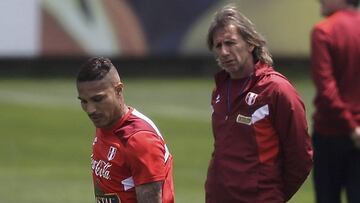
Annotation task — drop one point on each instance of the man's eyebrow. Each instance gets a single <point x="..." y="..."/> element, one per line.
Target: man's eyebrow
<point x="97" y="96"/>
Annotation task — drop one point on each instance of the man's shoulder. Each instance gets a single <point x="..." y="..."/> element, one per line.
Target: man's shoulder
<point x="270" y="76"/>
<point x="136" y="122"/>
<point x="325" y="25"/>
<point x="337" y="19"/>
<point x="275" y="82"/>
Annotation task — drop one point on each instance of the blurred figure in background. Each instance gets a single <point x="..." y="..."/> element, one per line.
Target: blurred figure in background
<point x="130" y="161"/>
<point x="335" y="61"/>
<point x="262" y="150"/>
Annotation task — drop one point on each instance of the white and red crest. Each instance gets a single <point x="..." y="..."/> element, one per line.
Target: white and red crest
<point x="111" y="153"/>
<point x="250" y="98"/>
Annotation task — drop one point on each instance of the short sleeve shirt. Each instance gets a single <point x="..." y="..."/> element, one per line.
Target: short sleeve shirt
<point x="132" y="153"/>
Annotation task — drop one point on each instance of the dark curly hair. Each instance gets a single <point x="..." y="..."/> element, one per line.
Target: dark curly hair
<point x="95" y="68"/>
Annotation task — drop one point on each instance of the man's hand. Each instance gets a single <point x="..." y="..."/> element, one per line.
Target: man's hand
<point x="149" y="192"/>
<point x="355" y="136"/>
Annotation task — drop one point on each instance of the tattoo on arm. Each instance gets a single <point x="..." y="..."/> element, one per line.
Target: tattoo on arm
<point x="149" y="192"/>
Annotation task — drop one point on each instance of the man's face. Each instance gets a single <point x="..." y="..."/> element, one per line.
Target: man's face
<point x="102" y="101"/>
<point x="231" y="51"/>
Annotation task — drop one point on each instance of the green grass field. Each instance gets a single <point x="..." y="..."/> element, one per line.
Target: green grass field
<point x="46" y="138"/>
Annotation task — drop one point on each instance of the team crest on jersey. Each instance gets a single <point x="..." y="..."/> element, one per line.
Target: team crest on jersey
<point x="250" y="98"/>
<point x="111" y="153"/>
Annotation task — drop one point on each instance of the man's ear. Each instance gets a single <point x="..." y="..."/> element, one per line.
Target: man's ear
<point x="119" y="87"/>
<point x="251" y="47"/>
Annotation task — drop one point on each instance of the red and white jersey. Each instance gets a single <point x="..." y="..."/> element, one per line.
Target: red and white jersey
<point x="132" y="153"/>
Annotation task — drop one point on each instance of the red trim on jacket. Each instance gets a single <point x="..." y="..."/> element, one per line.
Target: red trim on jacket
<point x="267" y="141"/>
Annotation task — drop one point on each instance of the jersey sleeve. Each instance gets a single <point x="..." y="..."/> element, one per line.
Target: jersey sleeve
<point x="295" y="143"/>
<point x="145" y="154"/>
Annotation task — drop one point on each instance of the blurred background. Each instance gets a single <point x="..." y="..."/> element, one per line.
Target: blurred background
<point x="160" y="50"/>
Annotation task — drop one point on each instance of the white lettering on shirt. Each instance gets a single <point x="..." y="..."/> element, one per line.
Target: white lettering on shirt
<point x="101" y="168"/>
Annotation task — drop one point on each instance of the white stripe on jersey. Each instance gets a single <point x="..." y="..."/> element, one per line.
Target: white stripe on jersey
<point x="152" y="124"/>
<point x="128" y="183"/>
<point x="260" y="113"/>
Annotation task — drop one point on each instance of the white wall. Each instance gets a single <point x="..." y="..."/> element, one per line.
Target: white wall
<point x="19" y="28"/>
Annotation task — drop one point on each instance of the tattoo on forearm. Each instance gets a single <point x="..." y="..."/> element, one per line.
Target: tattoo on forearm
<point x="149" y="193"/>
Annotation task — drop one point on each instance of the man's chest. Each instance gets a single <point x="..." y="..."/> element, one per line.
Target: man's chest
<point x="240" y="106"/>
<point x="108" y="161"/>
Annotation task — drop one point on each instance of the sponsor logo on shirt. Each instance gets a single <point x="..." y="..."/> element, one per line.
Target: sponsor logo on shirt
<point x="250" y="98"/>
<point x="243" y="119"/>
<point x="101" y="168"/>
<point x="108" y="198"/>
<point x="111" y="153"/>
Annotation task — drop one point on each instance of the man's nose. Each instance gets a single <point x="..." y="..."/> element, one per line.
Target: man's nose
<point x="224" y="51"/>
<point x="90" y="108"/>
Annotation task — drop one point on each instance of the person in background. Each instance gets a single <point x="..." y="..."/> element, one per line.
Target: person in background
<point x="262" y="150"/>
<point x="335" y="63"/>
<point x="130" y="161"/>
